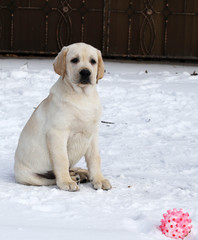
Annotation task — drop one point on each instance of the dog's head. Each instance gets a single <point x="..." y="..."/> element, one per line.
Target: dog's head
<point x="81" y="63"/>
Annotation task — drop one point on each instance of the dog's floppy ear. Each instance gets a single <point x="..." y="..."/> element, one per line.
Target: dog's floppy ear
<point x="60" y="62"/>
<point x="100" y="72"/>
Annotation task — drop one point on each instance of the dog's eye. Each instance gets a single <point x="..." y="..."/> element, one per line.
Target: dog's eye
<point x="93" y="61"/>
<point x="75" y="60"/>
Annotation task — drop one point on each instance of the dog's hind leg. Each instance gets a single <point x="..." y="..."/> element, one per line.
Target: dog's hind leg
<point x="27" y="177"/>
<point x="82" y="174"/>
<point x="78" y="175"/>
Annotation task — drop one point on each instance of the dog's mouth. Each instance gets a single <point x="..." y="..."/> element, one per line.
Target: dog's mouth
<point x="85" y="81"/>
<point x="85" y="77"/>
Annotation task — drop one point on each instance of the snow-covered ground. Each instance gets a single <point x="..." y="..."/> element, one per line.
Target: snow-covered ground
<point x="150" y="154"/>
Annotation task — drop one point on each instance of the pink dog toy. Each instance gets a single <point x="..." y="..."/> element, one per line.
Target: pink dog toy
<point x="176" y="224"/>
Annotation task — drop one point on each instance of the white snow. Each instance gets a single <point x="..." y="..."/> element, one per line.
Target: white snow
<point x="150" y="154"/>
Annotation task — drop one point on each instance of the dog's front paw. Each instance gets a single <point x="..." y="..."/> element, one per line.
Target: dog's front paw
<point x="68" y="186"/>
<point x="102" y="184"/>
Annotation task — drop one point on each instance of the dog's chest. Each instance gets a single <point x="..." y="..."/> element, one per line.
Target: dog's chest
<point x="82" y="129"/>
<point x="78" y="142"/>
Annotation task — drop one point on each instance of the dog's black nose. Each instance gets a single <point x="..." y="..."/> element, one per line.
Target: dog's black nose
<point x="85" y="76"/>
<point x="85" y="73"/>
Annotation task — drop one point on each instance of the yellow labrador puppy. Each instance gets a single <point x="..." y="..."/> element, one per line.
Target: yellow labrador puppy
<point x="64" y="127"/>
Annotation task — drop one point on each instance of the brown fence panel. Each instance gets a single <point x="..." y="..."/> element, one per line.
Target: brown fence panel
<point x="44" y="26"/>
<point x="153" y="28"/>
<point x="120" y="28"/>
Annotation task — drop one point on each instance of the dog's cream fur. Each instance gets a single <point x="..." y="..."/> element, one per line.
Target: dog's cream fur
<point x="64" y="127"/>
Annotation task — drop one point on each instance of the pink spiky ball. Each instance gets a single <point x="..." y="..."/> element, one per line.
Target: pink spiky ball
<point x="176" y="224"/>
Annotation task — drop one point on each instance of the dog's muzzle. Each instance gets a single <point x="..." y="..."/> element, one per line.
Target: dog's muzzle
<point x="85" y="76"/>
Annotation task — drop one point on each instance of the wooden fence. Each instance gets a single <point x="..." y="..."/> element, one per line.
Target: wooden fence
<point x="120" y="28"/>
